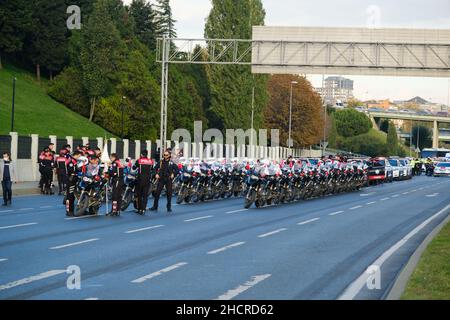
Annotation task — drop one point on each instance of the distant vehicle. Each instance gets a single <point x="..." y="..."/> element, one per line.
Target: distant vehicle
<point x="406" y="168"/>
<point x="380" y="170"/>
<point x="442" y="114"/>
<point x="434" y="153"/>
<point x="442" y="169"/>
<point x="396" y="168"/>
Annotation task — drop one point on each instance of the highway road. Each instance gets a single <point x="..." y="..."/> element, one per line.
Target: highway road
<point x="317" y="249"/>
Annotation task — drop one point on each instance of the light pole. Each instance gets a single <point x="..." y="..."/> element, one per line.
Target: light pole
<point x="13" y="104"/>
<point x="122" y="106"/>
<point x="290" y="116"/>
<point x="410" y="139"/>
<point x="253" y="115"/>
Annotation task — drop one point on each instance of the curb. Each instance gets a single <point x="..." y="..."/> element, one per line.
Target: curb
<point x="400" y="283"/>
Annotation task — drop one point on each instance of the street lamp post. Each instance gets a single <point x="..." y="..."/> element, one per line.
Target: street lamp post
<point x="290" y="116"/>
<point x="13" y="104"/>
<point x="253" y="114"/>
<point x="123" y="111"/>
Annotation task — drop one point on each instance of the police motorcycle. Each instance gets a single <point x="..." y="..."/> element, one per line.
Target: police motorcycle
<point x="130" y="178"/>
<point x="187" y="180"/>
<point x="91" y="191"/>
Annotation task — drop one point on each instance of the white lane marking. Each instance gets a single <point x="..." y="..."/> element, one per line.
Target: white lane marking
<point x="352" y="291"/>
<point x="308" y="221"/>
<point x="91" y="299"/>
<point x="3" y="259"/>
<point x="82" y="217"/>
<point x="432" y="195"/>
<point x="159" y="273"/>
<point x="26" y="209"/>
<point x="18" y="225"/>
<point x="236" y="211"/>
<point x="369" y="203"/>
<point x="367" y="194"/>
<point x="242" y="288"/>
<point x="46" y="207"/>
<point x="396" y="195"/>
<point x="40" y="276"/>
<point x="336" y="213"/>
<point x="73" y="244"/>
<point x="1" y="211"/>
<point x="406" y="192"/>
<point x="196" y="219"/>
<point x="354" y="208"/>
<point x="237" y="244"/>
<point x="268" y="234"/>
<point x="384" y="199"/>
<point x="144" y="229"/>
<point x="415" y="190"/>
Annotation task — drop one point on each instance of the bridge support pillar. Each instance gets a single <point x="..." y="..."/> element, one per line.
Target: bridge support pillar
<point x="435" y="135"/>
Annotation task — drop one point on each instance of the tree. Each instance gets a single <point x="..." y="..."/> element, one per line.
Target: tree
<point x="46" y="43"/>
<point x="392" y="140"/>
<point x="144" y="18"/>
<point x="353" y="103"/>
<point x="101" y="50"/>
<point x="351" y="123"/>
<point x="423" y="135"/>
<point x="333" y="134"/>
<point x="307" y="121"/>
<point x="384" y="125"/>
<point x="164" y="19"/>
<point x="231" y="86"/>
<point x="15" y="21"/>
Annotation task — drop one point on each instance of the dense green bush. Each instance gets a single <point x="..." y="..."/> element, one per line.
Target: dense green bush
<point x="351" y="123"/>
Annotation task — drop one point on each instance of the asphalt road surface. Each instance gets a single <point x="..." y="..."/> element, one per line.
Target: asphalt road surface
<point x="317" y="249"/>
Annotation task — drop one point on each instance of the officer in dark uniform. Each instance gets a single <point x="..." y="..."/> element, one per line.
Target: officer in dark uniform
<point x="72" y="178"/>
<point x="116" y="176"/>
<point x="166" y="171"/>
<point x="144" y="167"/>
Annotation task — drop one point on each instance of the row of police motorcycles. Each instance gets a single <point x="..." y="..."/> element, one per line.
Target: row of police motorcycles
<point x="267" y="183"/>
<point x="260" y="183"/>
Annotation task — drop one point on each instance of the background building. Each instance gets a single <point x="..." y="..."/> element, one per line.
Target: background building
<point x="336" y="88"/>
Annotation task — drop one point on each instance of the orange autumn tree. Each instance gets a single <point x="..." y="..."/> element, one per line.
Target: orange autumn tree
<point x="307" y="110"/>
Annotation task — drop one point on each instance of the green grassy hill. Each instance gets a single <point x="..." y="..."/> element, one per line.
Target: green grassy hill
<point x="36" y="112"/>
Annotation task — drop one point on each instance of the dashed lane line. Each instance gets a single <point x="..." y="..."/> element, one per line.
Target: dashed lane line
<point x="197" y="219"/>
<point x="268" y="234"/>
<point x="357" y="207"/>
<point x="38" y="277"/>
<point x="73" y="244"/>
<point x="242" y="288"/>
<point x="308" y="221"/>
<point x="335" y="213"/>
<point x="144" y="229"/>
<point x="18" y="225"/>
<point x="159" y="273"/>
<point x="234" y="245"/>
<point x="236" y="211"/>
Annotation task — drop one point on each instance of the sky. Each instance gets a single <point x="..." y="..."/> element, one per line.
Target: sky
<point x="191" y="15"/>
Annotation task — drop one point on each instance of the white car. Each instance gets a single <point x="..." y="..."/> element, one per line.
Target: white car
<point x="396" y="169"/>
<point x="442" y="169"/>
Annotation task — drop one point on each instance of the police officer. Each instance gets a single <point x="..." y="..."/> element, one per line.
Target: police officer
<point x="143" y="167"/>
<point x="61" y="170"/>
<point x="116" y="173"/>
<point x="72" y="178"/>
<point x="166" y="171"/>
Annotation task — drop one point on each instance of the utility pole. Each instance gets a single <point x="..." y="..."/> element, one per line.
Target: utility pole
<point x="122" y="106"/>
<point x="13" y="104"/>
<point x="253" y="114"/>
<point x="290" y="116"/>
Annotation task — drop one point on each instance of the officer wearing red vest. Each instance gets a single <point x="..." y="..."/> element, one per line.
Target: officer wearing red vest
<point x="144" y="167"/>
<point x="116" y="173"/>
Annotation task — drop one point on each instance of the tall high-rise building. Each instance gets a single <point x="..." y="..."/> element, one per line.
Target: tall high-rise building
<point x="336" y="88"/>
